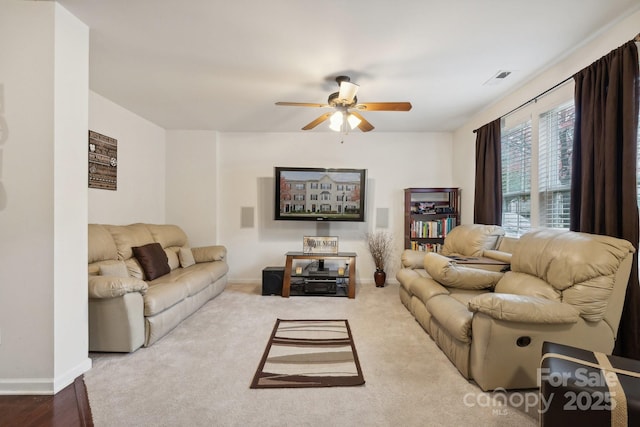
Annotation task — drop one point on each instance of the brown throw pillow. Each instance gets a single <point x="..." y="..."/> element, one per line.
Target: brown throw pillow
<point x="152" y="259"/>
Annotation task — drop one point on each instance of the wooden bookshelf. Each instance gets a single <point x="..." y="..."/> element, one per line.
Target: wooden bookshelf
<point x="429" y="214"/>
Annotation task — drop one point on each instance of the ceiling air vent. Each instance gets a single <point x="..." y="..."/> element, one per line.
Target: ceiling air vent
<point x="498" y="78"/>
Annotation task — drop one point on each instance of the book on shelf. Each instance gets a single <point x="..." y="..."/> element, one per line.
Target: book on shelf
<point x="426" y="247"/>
<point x="432" y="229"/>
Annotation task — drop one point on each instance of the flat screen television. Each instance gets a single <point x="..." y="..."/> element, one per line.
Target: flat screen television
<point x="320" y="194"/>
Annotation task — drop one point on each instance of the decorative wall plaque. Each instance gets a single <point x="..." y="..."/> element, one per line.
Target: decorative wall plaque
<point x="103" y="161"/>
<point x="319" y="245"/>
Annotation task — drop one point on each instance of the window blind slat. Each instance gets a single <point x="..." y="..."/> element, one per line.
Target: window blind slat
<point x="516" y="178"/>
<point x="555" y="141"/>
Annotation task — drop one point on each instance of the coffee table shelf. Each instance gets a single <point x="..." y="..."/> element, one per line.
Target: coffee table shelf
<point x="345" y="283"/>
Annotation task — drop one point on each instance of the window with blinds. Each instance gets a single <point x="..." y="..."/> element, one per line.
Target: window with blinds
<point x="516" y="178"/>
<point x="537" y="144"/>
<point x="536" y="159"/>
<point x="555" y="142"/>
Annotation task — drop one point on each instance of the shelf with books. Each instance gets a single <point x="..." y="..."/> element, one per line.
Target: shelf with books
<point x="431" y="228"/>
<point x="430" y="213"/>
<point x="424" y="245"/>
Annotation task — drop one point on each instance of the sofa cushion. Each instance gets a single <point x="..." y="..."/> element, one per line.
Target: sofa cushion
<point x="471" y="239"/>
<point x="168" y="235"/>
<point x="590" y="297"/>
<point x="101" y="244"/>
<point x="406" y="275"/>
<point x="186" y="257"/>
<point x="153" y="260"/>
<point x="215" y="270"/>
<point x="448" y="273"/>
<point x="172" y="256"/>
<point x="135" y="270"/>
<point x="128" y="236"/>
<point x="209" y="253"/>
<point x="463" y="296"/>
<point x="193" y="279"/>
<point x="163" y="295"/>
<point x="116" y="269"/>
<point x="582" y="266"/>
<point x="525" y="284"/>
<point x="452" y="316"/>
<point x="425" y="288"/>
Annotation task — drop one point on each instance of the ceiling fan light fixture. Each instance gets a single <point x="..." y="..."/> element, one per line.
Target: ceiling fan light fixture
<point x="348" y="91"/>
<point x="341" y="120"/>
<point x="336" y="120"/>
<point x="338" y="123"/>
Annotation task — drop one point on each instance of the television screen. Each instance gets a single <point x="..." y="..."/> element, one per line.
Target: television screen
<point x="319" y="194"/>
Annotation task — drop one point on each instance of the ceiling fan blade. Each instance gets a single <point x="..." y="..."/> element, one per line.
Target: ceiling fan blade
<point x="302" y="104"/>
<point x="317" y="121"/>
<point x="364" y="125"/>
<point x="348" y="91"/>
<point x="384" y="106"/>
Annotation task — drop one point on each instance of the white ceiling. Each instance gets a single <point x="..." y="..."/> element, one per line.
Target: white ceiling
<point x="221" y="65"/>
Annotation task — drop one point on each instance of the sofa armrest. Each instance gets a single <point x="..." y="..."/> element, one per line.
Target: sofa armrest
<point x="112" y="286"/>
<point x="497" y="255"/>
<point x="412" y="259"/>
<point x="519" y="308"/>
<point x="209" y="253"/>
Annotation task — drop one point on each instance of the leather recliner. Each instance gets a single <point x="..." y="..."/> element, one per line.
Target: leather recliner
<point x="563" y="286"/>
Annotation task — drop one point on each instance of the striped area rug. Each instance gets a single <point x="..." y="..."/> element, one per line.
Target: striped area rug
<point x="309" y="353"/>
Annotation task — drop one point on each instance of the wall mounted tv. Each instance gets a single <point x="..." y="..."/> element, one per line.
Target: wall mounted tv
<point x="320" y="194"/>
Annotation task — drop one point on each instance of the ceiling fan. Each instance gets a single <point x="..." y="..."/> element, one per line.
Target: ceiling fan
<point x="347" y="109"/>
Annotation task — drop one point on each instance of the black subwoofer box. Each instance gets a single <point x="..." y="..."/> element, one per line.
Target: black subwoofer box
<point x="272" y="278"/>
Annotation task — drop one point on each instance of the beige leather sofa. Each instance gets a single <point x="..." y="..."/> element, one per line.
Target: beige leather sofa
<point x="128" y="310"/>
<point x="563" y="286"/>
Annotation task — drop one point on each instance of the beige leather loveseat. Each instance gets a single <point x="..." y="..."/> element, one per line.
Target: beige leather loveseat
<point x="144" y="279"/>
<point x="563" y="286"/>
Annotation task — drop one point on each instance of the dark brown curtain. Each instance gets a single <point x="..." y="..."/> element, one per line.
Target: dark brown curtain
<point x="603" y="184"/>
<point x="487" y="207"/>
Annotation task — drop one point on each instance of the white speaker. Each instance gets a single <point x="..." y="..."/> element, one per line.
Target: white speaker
<point x="382" y="217"/>
<point x="246" y="217"/>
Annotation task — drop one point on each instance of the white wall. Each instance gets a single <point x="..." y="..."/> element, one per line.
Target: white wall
<point x="141" y="192"/>
<point x="464" y="138"/>
<point x="246" y="164"/>
<point x="191" y="176"/>
<point x="43" y="102"/>
<point x="71" y="104"/>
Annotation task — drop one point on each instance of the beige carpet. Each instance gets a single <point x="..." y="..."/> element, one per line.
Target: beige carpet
<point x="199" y="374"/>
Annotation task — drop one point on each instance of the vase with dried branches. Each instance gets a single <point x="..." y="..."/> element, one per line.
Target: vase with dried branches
<point x="380" y="246"/>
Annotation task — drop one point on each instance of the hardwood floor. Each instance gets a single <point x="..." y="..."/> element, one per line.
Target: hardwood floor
<point x="68" y="408"/>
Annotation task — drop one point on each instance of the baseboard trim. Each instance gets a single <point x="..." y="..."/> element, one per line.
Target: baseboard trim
<point x="69" y="377"/>
<point x="245" y="282"/>
<point x="43" y="386"/>
<point x="22" y="386"/>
